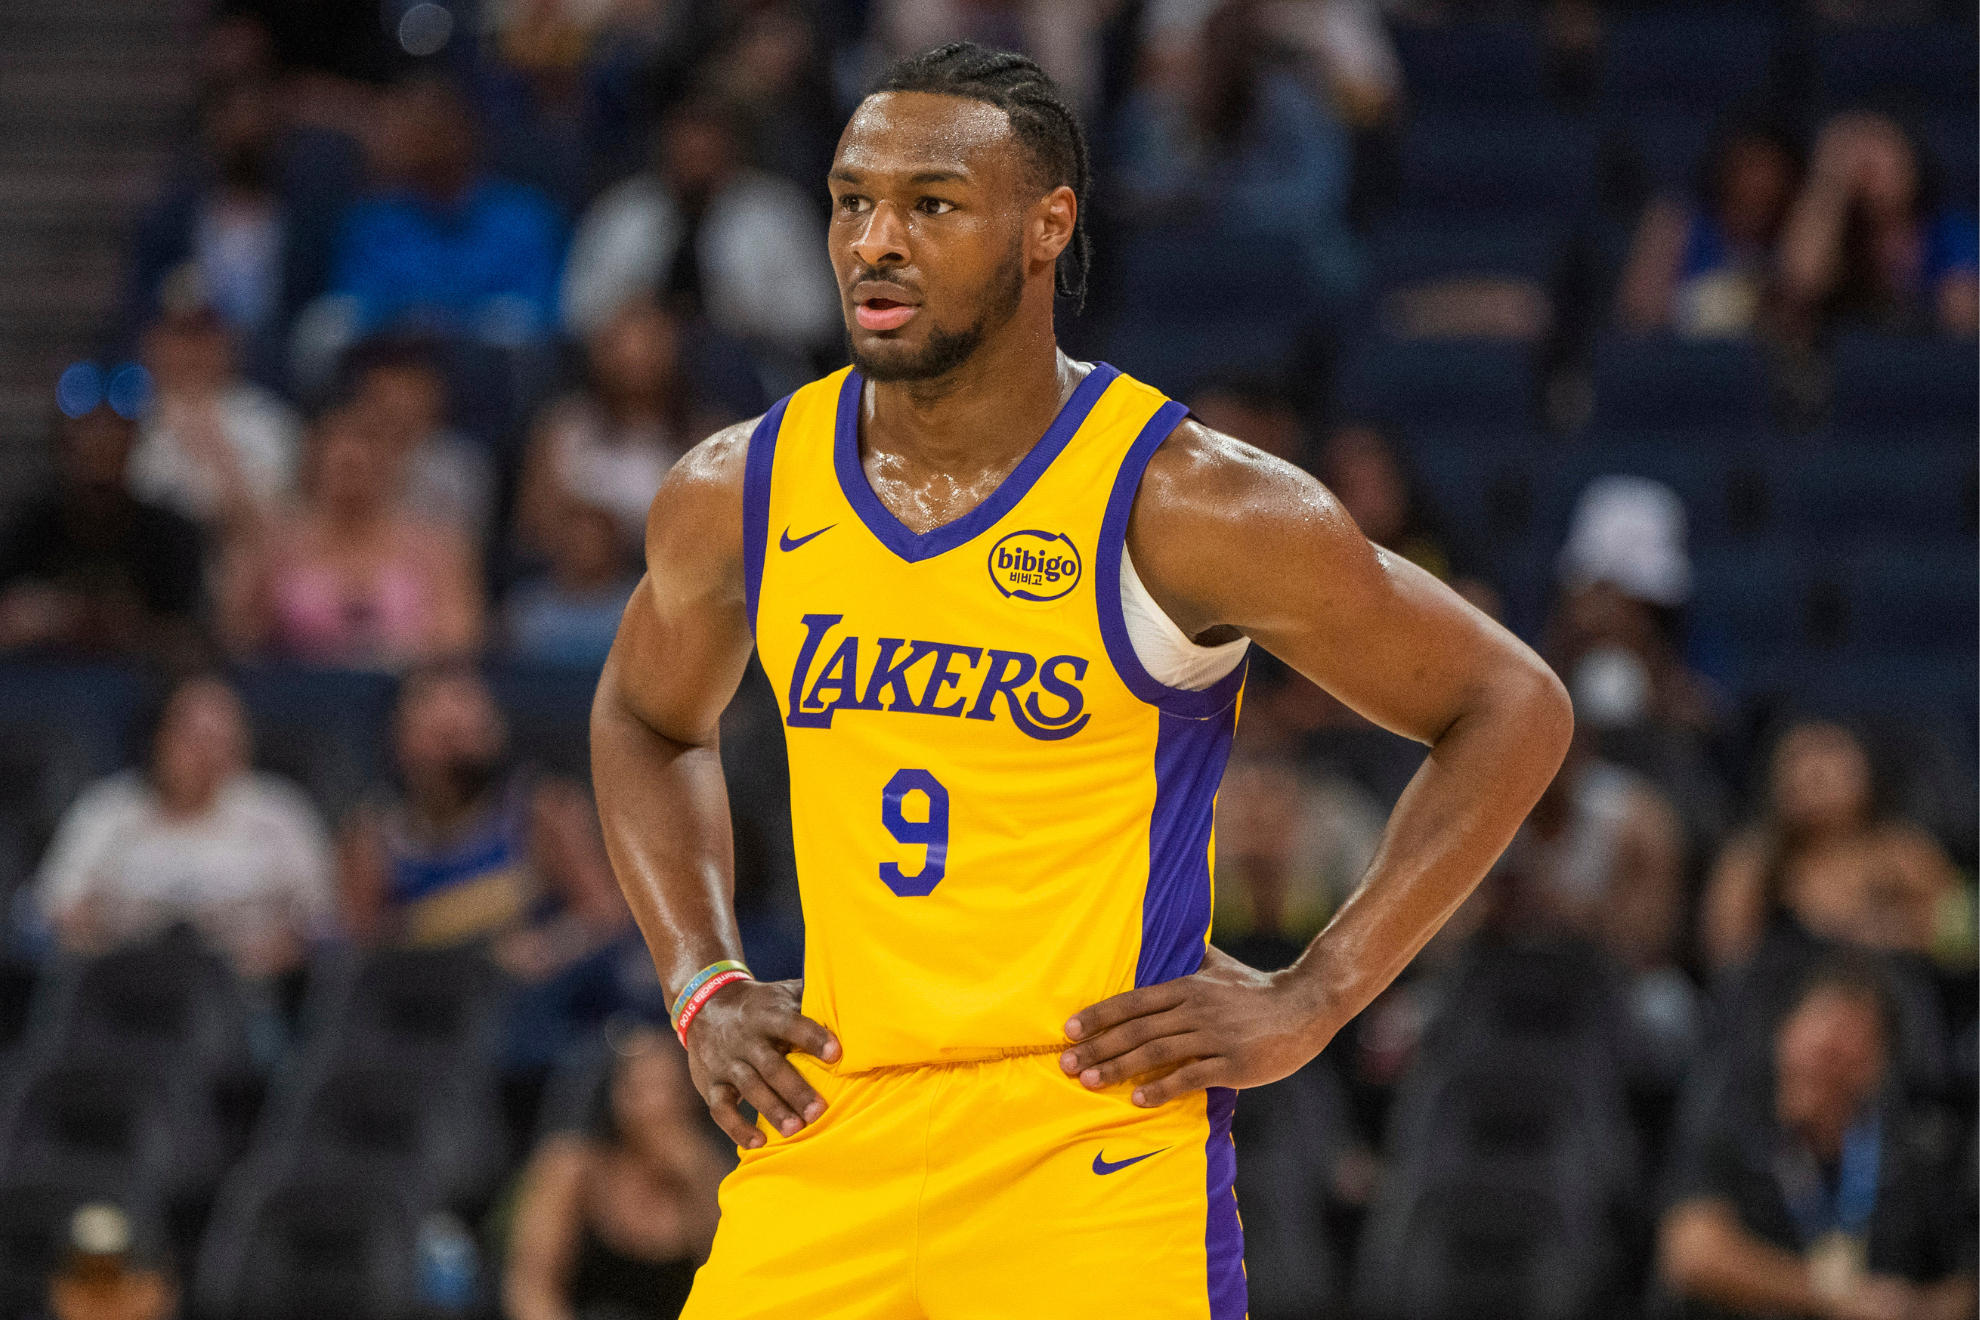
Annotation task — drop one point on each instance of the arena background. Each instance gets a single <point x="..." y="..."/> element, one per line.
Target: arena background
<point x="343" y="341"/>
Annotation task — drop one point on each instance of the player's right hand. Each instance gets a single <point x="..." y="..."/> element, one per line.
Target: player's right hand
<point x="736" y="1048"/>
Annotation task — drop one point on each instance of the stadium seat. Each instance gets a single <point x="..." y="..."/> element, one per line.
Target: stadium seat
<point x="1462" y="163"/>
<point x="1902" y="383"/>
<point x="317" y="1246"/>
<point x="1288" y="1136"/>
<point x="1886" y="65"/>
<point x="325" y="728"/>
<point x="1414" y="247"/>
<point x="1446" y="386"/>
<point x="404" y="1125"/>
<point x="167" y="1005"/>
<point x="1476" y="65"/>
<point x="1751" y="601"/>
<point x="1665" y="384"/>
<point x="548" y="708"/>
<point x="1709" y="58"/>
<point x="1922" y="490"/>
<point x="1949" y="142"/>
<point x="1907" y="599"/>
<point x="428" y="1009"/>
<point x="112" y="1129"/>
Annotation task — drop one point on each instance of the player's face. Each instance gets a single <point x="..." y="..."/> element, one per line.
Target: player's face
<point x="930" y="200"/>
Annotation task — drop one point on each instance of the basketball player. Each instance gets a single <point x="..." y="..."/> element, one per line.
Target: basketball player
<point x="1004" y="599"/>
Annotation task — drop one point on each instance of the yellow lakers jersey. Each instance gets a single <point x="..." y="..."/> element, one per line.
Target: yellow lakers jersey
<point x="999" y="816"/>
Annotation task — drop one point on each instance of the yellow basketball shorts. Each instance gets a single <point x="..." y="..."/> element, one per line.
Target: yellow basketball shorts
<point x="981" y="1191"/>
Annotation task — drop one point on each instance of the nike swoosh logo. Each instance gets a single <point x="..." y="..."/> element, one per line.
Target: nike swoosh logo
<point x="784" y="541"/>
<point x="1102" y="1165"/>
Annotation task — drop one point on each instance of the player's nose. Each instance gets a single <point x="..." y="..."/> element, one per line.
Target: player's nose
<point x="883" y="237"/>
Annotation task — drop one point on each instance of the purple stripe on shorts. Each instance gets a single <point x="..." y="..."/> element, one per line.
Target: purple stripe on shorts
<point x="1223" y="1236"/>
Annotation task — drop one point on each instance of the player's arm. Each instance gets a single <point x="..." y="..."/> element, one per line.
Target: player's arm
<point x="657" y="768"/>
<point x="1227" y="538"/>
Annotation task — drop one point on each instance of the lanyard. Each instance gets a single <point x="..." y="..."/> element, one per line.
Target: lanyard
<point x="1816" y="1211"/>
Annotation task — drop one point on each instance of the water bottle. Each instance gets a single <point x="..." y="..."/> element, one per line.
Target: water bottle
<point x="448" y="1264"/>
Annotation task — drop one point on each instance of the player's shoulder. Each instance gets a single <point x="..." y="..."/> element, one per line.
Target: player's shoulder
<point x="1202" y="476"/>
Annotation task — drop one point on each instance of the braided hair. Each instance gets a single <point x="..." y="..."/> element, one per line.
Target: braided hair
<point x="1041" y="118"/>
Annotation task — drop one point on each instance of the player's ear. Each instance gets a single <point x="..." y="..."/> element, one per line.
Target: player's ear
<point x="1052" y="221"/>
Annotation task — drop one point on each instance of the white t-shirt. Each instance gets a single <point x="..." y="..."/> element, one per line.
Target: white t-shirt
<point x="253" y="868"/>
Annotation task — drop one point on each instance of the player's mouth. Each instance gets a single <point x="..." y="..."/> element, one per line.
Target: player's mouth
<point x="883" y="313"/>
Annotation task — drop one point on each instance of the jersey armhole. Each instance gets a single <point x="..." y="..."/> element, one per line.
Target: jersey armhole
<point x="758" y="462"/>
<point x="1195" y="705"/>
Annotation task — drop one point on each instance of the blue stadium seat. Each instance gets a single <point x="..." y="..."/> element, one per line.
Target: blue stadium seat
<point x="1425" y="385"/>
<point x="1706" y="58"/>
<point x="1694" y="465"/>
<point x="1459" y="163"/>
<point x="1939" y="692"/>
<point x="324" y="728"/>
<point x="1921" y="490"/>
<point x="1913" y="599"/>
<point x="1949" y="142"/>
<point x="322" y="1245"/>
<point x="1752" y="601"/>
<point x="1896" y="65"/>
<point x="1474" y="64"/>
<point x="1413" y="247"/>
<point x="1173" y="353"/>
<point x="1670" y="140"/>
<point x="1664" y="384"/>
<point x="1886" y="383"/>
<point x="1191" y="272"/>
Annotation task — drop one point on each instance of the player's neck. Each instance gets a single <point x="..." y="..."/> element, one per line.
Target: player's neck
<point x="994" y="406"/>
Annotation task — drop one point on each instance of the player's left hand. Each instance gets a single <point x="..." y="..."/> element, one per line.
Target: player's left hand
<point x="1224" y="1025"/>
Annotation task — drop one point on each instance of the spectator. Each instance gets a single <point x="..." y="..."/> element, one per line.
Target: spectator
<point x="610" y="445"/>
<point x="1366" y="470"/>
<point x="773" y="68"/>
<point x="1062" y="35"/>
<point x="1601" y="858"/>
<point x="1863" y="243"/>
<point x="1343" y="44"/>
<point x="1241" y="149"/>
<point x="212" y="447"/>
<point x="1824" y="853"/>
<point x="570" y="615"/>
<point x="350" y="578"/>
<point x="474" y="848"/>
<point x="90" y="566"/>
<point x="398" y="393"/>
<point x="197" y="837"/>
<point x="443" y="246"/>
<point x="1809" y="1188"/>
<point x="251" y="219"/>
<point x="102" y="1278"/>
<point x="712" y="237"/>
<point x="1702" y="266"/>
<point x="1291" y="845"/>
<point x="617" y="1204"/>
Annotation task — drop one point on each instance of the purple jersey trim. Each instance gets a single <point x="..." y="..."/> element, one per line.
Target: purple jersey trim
<point x="1175" y="908"/>
<point x="1195" y="705"/>
<point x="917" y="546"/>
<point x="1223" y="1235"/>
<point x="757" y="465"/>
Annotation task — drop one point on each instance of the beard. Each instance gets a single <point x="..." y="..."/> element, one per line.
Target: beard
<point x="945" y="350"/>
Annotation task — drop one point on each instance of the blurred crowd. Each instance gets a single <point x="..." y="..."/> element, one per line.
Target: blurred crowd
<point x="340" y="521"/>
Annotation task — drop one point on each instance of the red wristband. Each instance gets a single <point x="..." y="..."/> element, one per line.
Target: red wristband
<point x="702" y="995"/>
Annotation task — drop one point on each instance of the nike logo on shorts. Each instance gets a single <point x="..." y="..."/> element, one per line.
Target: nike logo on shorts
<point x="784" y="541"/>
<point x="1102" y="1165"/>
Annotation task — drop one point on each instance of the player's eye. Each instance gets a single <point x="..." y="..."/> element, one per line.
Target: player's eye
<point x="934" y="206"/>
<point x="853" y="203"/>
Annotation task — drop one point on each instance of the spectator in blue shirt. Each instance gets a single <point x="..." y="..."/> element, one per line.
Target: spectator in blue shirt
<point x="442" y="246"/>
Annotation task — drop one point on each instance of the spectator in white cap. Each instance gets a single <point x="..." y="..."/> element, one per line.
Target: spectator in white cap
<point x="1625" y="577"/>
